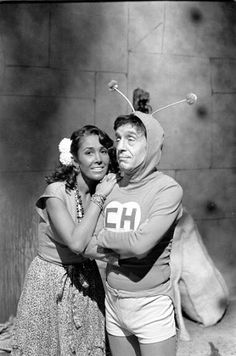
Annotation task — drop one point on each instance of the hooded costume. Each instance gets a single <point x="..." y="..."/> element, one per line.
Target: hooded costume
<point x="132" y="212"/>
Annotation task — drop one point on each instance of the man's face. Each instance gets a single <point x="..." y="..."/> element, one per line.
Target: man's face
<point x="131" y="147"/>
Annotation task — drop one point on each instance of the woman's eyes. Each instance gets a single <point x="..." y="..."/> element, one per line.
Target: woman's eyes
<point x="103" y="151"/>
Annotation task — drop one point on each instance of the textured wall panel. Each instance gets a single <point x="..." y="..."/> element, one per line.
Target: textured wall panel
<point x="35" y="81"/>
<point x="187" y="139"/>
<point x="31" y="128"/>
<point x="223" y="75"/>
<point x="90" y="36"/>
<point x="25" y="33"/>
<point x="146" y="26"/>
<point x="200" y="28"/>
<point x="224" y="131"/>
<point x="209" y="194"/>
<point x="18" y="231"/>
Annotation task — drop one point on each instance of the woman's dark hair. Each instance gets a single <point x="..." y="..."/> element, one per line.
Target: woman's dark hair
<point x="130" y="119"/>
<point x="68" y="173"/>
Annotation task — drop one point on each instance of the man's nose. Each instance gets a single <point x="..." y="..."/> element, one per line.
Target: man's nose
<point x="120" y="146"/>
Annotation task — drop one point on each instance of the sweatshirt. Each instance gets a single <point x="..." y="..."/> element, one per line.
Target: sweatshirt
<point x="138" y="222"/>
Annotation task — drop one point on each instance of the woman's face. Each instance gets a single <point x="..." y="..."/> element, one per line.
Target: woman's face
<point x="93" y="158"/>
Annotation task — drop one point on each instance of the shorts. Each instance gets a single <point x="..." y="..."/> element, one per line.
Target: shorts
<point x="151" y="319"/>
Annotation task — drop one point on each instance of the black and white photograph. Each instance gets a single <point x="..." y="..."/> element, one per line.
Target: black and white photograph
<point x="118" y="178"/>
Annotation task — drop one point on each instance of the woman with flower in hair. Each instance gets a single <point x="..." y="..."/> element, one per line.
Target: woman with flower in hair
<point x="61" y="308"/>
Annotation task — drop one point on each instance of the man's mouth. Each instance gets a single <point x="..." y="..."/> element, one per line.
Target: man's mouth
<point x="120" y="158"/>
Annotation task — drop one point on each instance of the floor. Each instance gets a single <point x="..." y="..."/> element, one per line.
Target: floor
<point x="218" y="340"/>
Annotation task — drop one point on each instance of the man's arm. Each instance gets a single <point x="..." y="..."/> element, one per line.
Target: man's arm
<point x="165" y="211"/>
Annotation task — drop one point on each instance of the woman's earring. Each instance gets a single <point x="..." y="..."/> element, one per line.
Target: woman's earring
<point x="76" y="169"/>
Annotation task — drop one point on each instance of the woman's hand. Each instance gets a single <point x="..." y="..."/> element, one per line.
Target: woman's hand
<point x="106" y="184"/>
<point x="99" y="253"/>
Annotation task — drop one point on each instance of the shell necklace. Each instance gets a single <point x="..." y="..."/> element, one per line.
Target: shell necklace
<point x="80" y="213"/>
<point x="79" y="204"/>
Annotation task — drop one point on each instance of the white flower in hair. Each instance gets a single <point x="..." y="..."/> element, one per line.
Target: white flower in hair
<point x="64" y="145"/>
<point x="65" y="157"/>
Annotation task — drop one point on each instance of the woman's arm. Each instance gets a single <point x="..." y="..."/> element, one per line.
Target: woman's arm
<point x="76" y="236"/>
<point x="164" y="212"/>
<point x="100" y="253"/>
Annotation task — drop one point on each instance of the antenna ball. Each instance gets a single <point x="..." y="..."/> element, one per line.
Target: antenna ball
<point x="113" y="85"/>
<point x="191" y="98"/>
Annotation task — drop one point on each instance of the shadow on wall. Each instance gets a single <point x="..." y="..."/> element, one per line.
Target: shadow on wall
<point x="197" y="17"/>
<point x="42" y="50"/>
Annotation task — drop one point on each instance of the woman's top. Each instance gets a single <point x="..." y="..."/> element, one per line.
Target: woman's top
<point x="50" y="246"/>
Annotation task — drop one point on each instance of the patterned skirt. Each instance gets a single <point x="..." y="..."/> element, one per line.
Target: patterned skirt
<point x="60" y="311"/>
